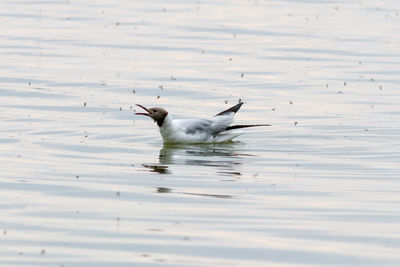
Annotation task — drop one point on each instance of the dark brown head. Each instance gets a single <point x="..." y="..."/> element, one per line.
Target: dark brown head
<point x="157" y="114"/>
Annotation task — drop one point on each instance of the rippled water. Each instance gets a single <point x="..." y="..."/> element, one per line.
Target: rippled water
<point x="83" y="182"/>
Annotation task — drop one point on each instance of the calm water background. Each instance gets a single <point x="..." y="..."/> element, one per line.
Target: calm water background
<point x="83" y="182"/>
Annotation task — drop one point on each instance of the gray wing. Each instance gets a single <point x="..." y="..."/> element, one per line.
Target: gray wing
<point x="210" y="127"/>
<point x="195" y="126"/>
<point x="214" y="126"/>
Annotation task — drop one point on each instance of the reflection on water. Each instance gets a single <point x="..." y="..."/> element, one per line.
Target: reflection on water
<point x="172" y="153"/>
<point x="163" y="190"/>
<point x="223" y="156"/>
<point x="157" y="168"/>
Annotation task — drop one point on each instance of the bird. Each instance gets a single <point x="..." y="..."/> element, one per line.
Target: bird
<point x="217" y="129"/>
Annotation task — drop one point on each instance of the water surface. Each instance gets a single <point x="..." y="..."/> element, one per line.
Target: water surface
<point x="83" y="182"/>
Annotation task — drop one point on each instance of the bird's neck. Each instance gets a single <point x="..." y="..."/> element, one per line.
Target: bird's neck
<point x="165" y="122"/>
<point x="160" y="121"/>
<point x="167" y="129"/>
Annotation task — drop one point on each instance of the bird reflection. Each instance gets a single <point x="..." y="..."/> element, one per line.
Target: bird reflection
<point x="157" y="168"/>
<point x="221" y="156"/>
<point x="163" y="190"/>
<point x="224" y="157"/>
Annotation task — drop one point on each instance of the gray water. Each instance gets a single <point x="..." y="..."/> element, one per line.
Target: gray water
<point x="83" y="182"/>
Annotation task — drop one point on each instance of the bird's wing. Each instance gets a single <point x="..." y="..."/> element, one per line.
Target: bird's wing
<point x="230" y="110"/>
<point x="203" y="126"/>
<point x="195" y="126"/>
<point x="212" y="127"/>
<point x="222" y="120"/>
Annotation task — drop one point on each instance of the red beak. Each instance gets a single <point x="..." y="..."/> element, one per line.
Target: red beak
<point x="145" y="114"/>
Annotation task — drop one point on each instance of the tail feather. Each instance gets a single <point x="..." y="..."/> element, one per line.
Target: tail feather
<point x="244" y="126"/>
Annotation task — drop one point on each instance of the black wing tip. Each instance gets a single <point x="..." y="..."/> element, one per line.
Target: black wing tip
<point x="232" y="127"/>
<point x="233" y="109"/>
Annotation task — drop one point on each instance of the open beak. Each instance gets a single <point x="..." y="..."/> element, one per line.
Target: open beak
<point x="145" y="114"/>
<point x="140" y="113"/>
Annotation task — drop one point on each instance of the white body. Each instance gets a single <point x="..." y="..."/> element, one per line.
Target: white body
<point x="198" y="130"/>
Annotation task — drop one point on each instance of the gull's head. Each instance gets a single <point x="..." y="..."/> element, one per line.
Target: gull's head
<point x="157" y="114"/>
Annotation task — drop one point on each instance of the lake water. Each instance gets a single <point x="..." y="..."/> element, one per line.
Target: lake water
<point x="83" y="182"/>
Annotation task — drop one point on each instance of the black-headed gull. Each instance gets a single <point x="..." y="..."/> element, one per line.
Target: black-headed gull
<point x="215" y="130"/>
